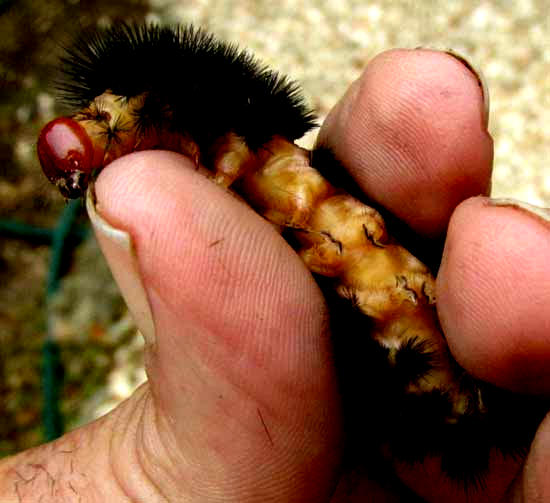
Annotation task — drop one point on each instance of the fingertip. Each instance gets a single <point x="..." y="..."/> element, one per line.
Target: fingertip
<point x="534" y="484"/>
<point x="115" y="205"/>
<point x="493" y="290"/>
<point x="208" y="261"/>
<point x="412" y="132"/>
<point x="131" y="189"/>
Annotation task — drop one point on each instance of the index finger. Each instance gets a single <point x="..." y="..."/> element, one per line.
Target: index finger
<point x="412" y="131"/>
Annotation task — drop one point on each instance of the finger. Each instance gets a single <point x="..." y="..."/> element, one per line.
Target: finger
<point x="493" y="291"/>
<point x="413" y="133"/>
<point x="534" y="484"/>
<point x="239" y="364"/>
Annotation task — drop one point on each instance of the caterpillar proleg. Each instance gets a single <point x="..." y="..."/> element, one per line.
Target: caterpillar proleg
<point x="137" y="87"/>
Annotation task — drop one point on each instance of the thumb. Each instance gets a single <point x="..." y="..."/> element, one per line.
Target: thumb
<point x="243" y="398"/>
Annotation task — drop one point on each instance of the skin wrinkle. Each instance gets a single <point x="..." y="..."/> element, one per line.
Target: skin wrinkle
<point x="255" y="423"/>
<point x="119" y="480"/>
<point x="124" y="481"/>
<point x="150" y="459"/>
<point x="168" y="441"/>
<point x="219" y="459"/>
<point x="186" y="386"/>
<point x="226" y="397"/>
<point x="212" y="359"/>
<point x="219" y="375"/>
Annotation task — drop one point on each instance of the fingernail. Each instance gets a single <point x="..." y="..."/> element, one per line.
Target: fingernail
<point x="467" y="62"/>
<point x="543" y="213"/>
<point x="118" y="248"/>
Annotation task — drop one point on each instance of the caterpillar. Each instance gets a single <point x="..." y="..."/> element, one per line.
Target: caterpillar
<point x="137" y="86"/>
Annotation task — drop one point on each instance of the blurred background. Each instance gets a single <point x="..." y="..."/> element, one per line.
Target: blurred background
<point x="322" y="44"/>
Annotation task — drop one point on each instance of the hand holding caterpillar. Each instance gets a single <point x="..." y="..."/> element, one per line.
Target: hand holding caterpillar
<point x="244" y="134"/>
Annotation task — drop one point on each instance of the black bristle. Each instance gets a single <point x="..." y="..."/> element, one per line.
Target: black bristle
<point x="153" y="114"/>
<point x="413" y="360"/>
<point x="206" y="87"/>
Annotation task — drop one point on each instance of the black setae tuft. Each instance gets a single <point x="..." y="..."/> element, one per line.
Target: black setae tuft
<point x="413" y="360"/>
<point x="194" y="82"/>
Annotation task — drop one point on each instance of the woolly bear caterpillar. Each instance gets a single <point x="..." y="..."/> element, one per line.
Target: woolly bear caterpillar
<point x="136" y="87"/>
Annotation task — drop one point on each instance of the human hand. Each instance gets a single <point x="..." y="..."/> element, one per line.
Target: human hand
<point x="241" y="402"/>
<point x="415" y="125"/>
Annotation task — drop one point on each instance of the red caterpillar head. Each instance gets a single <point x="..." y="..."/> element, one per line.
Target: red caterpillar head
<point x="66" y="155"/>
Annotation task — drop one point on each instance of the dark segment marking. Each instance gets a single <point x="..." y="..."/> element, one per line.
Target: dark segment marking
<point x="333" y="240"/>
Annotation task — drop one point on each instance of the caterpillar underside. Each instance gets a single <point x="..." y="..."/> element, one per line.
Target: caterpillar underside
<point x="402" y="388"/>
